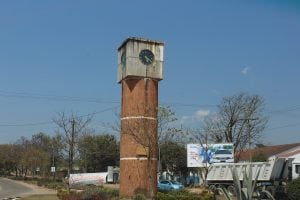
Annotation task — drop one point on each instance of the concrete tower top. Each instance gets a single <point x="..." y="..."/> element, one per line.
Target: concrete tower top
<point x="139" y="57"/>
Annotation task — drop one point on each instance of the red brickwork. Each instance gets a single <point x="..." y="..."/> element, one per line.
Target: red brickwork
<point x="138" y="142"/>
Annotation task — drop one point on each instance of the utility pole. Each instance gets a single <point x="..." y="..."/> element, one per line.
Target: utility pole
<point x="53" y="167"/>
<point x="71" y="150"/>
<point x="249" y="135"/>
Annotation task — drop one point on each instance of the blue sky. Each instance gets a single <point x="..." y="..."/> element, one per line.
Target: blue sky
<point x="62" y="56"/>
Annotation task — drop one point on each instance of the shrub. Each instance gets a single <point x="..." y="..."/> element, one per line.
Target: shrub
<point x="139" y="197"/>
<point x="183" y="195"/>
<point x="50" y="183"/>
<point x="100" y="193"/>
<point x="293" y="189"/>
<point x="62" y="193"/>
<point x="93" y="193"/>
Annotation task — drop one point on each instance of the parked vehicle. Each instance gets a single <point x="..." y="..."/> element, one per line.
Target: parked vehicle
<point x="169" y="185"/>
<point x="87" y="179"/>
<point x="271" y="175"/>
<point x="222" y="155"/>
<point x="98" y="178"/>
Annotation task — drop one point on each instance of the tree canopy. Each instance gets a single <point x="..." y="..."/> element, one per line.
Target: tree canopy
<point x="97" y="152"/>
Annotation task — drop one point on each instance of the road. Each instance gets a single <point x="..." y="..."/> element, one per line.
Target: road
<point x="11" y="189"/>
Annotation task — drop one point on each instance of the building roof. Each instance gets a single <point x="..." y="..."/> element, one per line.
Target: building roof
<point x="284" y="150"/>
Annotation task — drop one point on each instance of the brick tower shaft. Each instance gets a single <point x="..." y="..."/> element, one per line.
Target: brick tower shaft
<point x="138" y="147"/>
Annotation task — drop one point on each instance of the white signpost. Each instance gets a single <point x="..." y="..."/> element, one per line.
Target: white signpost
<point x="52" y="169"/>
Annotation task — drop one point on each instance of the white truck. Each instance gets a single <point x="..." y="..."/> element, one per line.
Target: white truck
<point x="98" y="178"/>
<point x="272" y="175"/>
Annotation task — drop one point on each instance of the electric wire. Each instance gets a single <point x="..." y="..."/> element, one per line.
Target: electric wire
<point x="51" y="122"/>
<point x="51" y="97"/>
<point x="95" y="100"/>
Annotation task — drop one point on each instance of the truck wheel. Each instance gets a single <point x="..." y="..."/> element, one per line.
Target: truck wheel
<point x="231" y="190"/>
<point x="271" y="190"/>
<point x="258" y="192"/>
<point x="212" y="188"/>
<point x="219" y="191"/>
<point x="267" y="195"/>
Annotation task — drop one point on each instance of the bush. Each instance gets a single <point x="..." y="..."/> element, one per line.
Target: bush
<point x="62" y="193"/>
<point x="93" y="193"/>
<point x="100" y="193"/>
<point x="50" y="183"/>
<point x="182" y="195"/>
<point x="293" y="189"/>
<point x="139" y="197"/>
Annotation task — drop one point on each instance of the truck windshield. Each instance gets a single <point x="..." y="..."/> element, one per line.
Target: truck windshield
<point x="222" y="151"/>
<point x="297" y="168"/>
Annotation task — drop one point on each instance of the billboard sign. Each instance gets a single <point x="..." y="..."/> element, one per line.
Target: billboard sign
<point x="203" y="155"/>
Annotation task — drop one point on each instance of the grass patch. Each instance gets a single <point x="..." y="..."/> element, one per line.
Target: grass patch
<point x="43" y="182"/>
<point x="41" y="197"/>
<point x="92" y="193"/>
<point x="182" y="195"/>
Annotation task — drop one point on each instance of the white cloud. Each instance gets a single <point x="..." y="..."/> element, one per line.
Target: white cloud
<point x="245" y="70"/>
<point x="201" y="114"/>
<point x="197" y="117"/>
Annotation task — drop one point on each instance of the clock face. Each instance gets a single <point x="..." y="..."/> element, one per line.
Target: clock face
<point x="146" y="57"/>
<point x="123" y="58"/>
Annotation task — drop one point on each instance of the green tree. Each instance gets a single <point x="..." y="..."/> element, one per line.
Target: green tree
<point x="8" y="158"/>
<point x="173" y="158"/>
<point x="97" y="152"/>
<point x="41" y="141"/>
<point x="35" y="160"/>
<point x="57" y="151"/>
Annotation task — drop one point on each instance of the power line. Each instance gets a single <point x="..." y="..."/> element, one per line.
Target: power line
<point x="177" y="104"/>
<point x="9" y="94"/>
<point x="284" y="126"/>
<point x="95" y="100"/>
<point x="115" y="107"/>
<point x="26" y="124"/>
<point x="51" y="122"/>
<point x="281" y="111"/>
<point x="51" y="97"/>
<point x="80" y="99"/>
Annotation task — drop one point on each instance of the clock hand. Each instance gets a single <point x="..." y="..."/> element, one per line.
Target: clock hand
<point x="148" y="59"/>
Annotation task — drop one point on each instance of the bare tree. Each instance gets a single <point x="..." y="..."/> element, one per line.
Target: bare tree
<point x="240" y="120"/>
<point x="165" y="124"/>
<point x="114" y="128"/>
<point x="71" y="128"/>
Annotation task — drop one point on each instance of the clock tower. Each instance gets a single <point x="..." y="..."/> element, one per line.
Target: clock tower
<point x="140" y="68"/>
